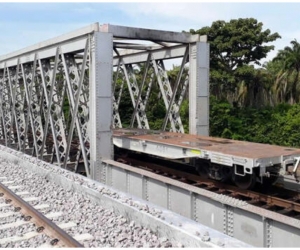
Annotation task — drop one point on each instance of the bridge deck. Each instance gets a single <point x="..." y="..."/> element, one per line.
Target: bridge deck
<point x="197" y="143"/>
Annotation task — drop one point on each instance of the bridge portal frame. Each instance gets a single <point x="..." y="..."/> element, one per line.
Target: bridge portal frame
<point x="31" y="100"/>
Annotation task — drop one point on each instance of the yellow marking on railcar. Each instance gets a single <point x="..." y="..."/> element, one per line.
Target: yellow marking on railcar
<point x="196" y="151"/>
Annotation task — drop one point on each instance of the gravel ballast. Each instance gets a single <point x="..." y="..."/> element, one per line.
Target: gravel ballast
<point x="107" y="228"/>
<point x="112" y="218"/>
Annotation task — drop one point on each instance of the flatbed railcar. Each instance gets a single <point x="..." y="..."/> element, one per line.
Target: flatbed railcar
<point x="245" y="163"/>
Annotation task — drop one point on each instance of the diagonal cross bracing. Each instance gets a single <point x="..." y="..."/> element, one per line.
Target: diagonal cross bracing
<point x="60" y="99"/>
<point x="45" y="103"/>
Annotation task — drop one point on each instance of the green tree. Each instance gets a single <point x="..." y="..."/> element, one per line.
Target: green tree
<point x="255" y="91"/>
<point x="290" y="62"/>
<point x="234" y="45"/>
<point x="276" y="79"/>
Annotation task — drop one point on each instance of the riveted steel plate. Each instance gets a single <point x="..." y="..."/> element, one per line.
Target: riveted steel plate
<point x="209" y="212"/>
<point x="118" y="178"/>
<point x="284" y="235"/>
<point x="237" y="219"/>
<point x="135" y="185"/>
<point x="157" y="193"/>
<point x="180" y="201"/>
<point x="249" y="226"/>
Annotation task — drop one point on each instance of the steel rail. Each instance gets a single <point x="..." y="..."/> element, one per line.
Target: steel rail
<point x="43" y="223"/>
<point x="287" y="205"/>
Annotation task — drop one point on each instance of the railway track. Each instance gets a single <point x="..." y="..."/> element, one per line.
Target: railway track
<point x="282" y="201"/>
<point x="85" y="220"/>
<point x="25" y="220"/>
<point x="29" y="214"/>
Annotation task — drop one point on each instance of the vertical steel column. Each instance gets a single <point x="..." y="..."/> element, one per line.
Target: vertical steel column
<point x="199" y="88"/>
<point x="101" y="69"/>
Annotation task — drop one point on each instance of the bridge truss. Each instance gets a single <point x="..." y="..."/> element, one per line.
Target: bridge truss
<point x="60" y="99"/>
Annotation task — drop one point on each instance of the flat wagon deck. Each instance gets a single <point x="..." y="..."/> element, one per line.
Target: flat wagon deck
<point x="243" y="156"/>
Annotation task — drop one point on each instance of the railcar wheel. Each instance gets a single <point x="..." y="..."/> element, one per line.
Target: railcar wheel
<point x="245" y="182"/>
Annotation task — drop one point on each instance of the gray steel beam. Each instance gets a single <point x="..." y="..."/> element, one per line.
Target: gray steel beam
<point x="199" y="89"/>
<point x="134" y="90"/>
<point x="238" y="219"/>
<point x="159" y="54"/>
<point x="52" y="42"/>
<point x="100" y="133"/>
<point x="117" y="97"/>
<point x="167" y="94"/>
<point x="139" y="101"/>
<point x="48" y="76"/>
<point x="174" y="108"/>
<point x="67" y="47"/>
<point x="77" y="83"/>
<point x="149" y="34"/>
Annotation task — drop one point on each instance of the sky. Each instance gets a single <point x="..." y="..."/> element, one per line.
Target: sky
<point x="24" y="24"/>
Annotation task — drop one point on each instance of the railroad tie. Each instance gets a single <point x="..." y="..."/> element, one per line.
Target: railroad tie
<point x="78" y="237"/>
<point x="30" y="235"/>
<point x="5" y="215"/>
<point x="22" y="222"/>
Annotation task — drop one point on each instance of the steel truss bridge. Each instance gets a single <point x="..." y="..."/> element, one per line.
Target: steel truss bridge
<point x="87" y="71"/>
<point x="60" y="102"/>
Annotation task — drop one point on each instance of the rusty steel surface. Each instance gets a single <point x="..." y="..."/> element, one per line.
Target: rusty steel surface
<point x="213" y="144"/>
<point x="42" y="222"/>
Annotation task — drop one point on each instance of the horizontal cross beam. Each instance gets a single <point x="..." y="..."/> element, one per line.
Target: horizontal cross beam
<point x="149" y="34"/>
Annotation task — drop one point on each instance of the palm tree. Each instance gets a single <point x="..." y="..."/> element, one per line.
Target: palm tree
<point x="290" y="58"/>
<point x="277" y="81"/>
<point x="256" y="90"/>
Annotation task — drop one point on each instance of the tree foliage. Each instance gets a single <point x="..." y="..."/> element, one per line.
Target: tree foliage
<point x="235" y="46"/>
<point x="274" y="125"/>
<point x="247" y="102"/>
<point x="288" y="83"/>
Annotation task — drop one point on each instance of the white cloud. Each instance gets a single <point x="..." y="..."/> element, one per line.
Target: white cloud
<point x="178" y="16"/>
